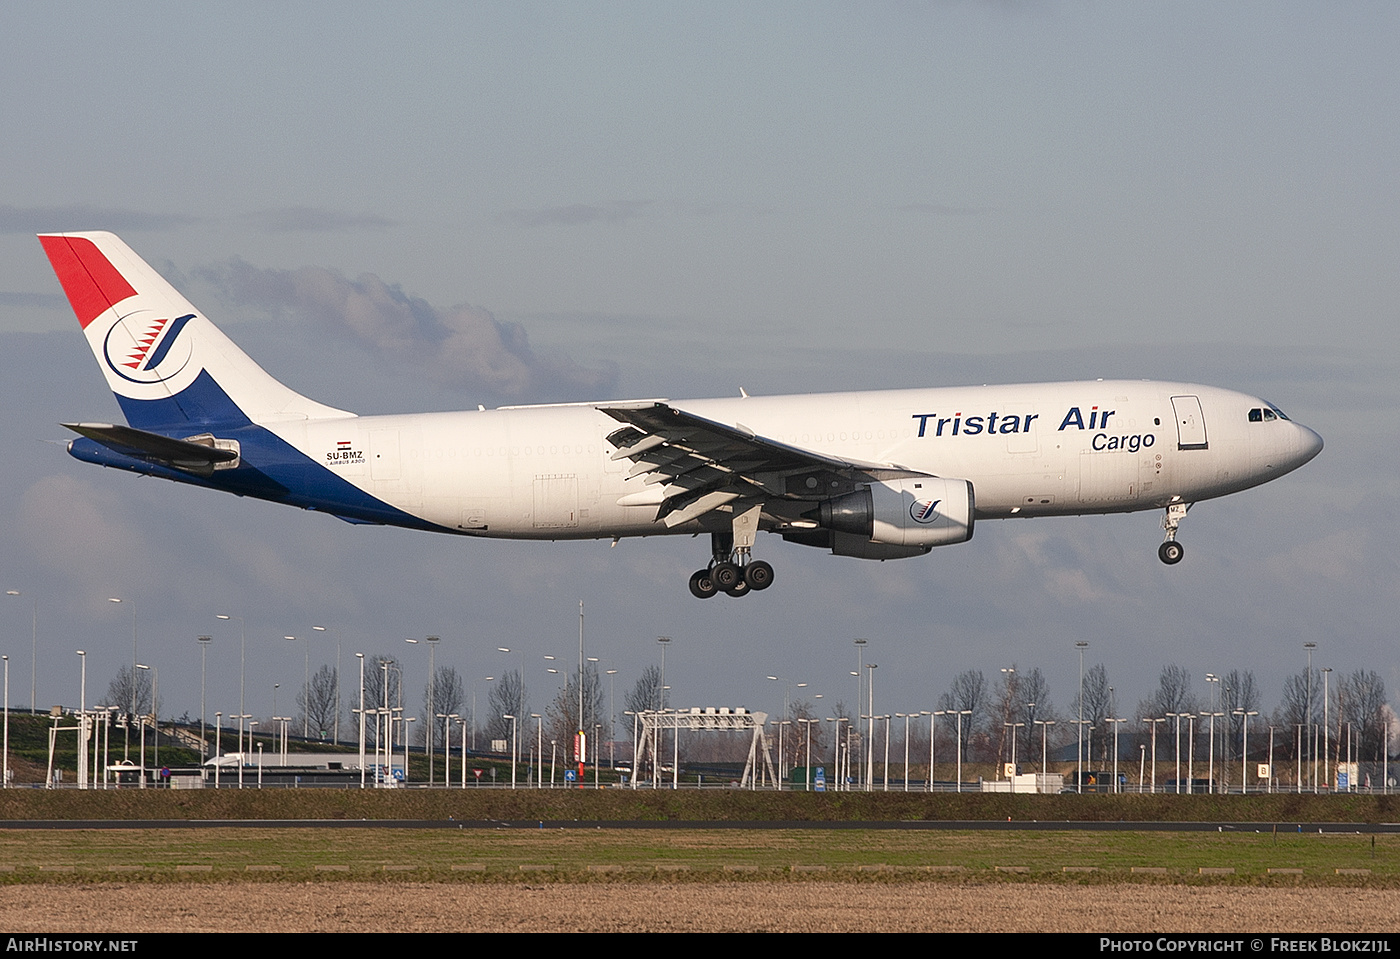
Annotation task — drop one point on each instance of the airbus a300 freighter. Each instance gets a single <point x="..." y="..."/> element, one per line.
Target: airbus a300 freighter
<point x="880" y="475"/>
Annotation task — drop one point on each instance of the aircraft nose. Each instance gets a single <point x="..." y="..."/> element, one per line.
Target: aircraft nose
<point x="1308" y="444"/>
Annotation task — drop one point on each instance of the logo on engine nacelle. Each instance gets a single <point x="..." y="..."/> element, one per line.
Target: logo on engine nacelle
<point x="924" y="511"/>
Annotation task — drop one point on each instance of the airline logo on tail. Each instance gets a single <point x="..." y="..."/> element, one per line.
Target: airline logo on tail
<point x="142" y="349"/>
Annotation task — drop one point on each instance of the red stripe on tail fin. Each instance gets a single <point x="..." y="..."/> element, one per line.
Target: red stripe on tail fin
<point x="91" y="283"/>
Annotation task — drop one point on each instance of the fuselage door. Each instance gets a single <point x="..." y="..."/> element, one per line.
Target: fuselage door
<point x="1190" y="423"/>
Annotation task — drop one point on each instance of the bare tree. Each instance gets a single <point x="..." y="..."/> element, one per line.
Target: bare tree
<point x="1240" y="693"/>
<point x="130" y="693"/>
<point x="1361" y="702"/>
<point x="1292" y="714"/>
<point x="563" y="712"/>
<point x="508" y="697"/>
<point x="1097" y="702"/>
<point x="1035" y="705"/>
<point x="1173" y="694"/>
<point x="646" y="693"/>
<point x="1008" y="710"/>
<point x="805" y="722"/>
<point x="375" y="674"/>
<point x="445" y="695"/>
<point x="968" y="693"/>
<point x="319" y="707"/>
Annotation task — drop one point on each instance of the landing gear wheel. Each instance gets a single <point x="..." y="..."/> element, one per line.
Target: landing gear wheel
<point x="740" y="588"/>
<point x="726" y="576"/>
<point x="701" y="585"/>
<point x="759" y="575"/>
<point x="1170" y="552"/>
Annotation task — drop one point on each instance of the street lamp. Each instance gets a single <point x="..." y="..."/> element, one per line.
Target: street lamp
<point x="204" y="642"/>
<point x="5" y="770"/>
<point x="1044" y="725"/>
<point x="82" y="724"/>
<point x="1244" y="750"/>
<point x="114" y="599"/>
<point x="242" y="675"/>
<point x="1081" y="645"/>
<point x="870" y="746"/>
<point x="514" y="749"/>
<point x="361" y="658"/>
<point x="34" y="653"/>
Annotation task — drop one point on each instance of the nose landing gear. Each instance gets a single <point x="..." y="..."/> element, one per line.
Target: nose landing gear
<point x="1170" y="552"/>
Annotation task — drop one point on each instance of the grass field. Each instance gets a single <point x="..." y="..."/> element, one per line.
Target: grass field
<point x="516" y="854"/>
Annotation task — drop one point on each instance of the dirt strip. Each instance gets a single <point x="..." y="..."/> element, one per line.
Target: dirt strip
<point x="666" y="907"/>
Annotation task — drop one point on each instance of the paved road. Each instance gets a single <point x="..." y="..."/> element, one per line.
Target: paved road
<point x="913" y="825"/>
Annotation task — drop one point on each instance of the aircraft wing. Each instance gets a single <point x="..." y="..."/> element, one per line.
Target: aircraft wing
<point x="704" y="464"/>
<point x="198" y="454"/>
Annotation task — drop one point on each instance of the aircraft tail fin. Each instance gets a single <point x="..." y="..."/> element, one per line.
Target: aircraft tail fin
<point x="171" y="369"/>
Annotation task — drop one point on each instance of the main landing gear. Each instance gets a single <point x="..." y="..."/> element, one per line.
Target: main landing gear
<point x="1170" y="552"/>
<point x="731" y="570"/>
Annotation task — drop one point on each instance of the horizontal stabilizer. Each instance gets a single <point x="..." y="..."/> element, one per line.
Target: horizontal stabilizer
<point x="197" y="454"/>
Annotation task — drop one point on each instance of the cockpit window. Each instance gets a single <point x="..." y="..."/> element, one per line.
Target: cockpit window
<point x="1267" y="413"/>
<point x="1276" y="411"/>
<point x="1256" y="415"/>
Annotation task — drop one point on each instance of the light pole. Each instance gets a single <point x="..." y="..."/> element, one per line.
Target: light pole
<point x="82" y="724"/>
<point x="1308" y="718"/>
<point x="808" y="723"/>
<point x="204" y="642"/>
<point x="1013" y="727"/>
<point x="335" y="724"/>
<point x="361" y="710"/>
<point x="114" y="599"/>
<point x="1177" y="717"/>
<point x="870" y="746"/>
<point x="905" y="717"/>
<point x="5" y="770"/>
<point x="155" y="712"/>
<point x="305" y="687"/>
<point x="242" y="676"/>
<point x="1154" y="723"/>
<point x="1044" y="725"/>
<point x="142" y="728"/>
<point x="34" y="654"/>
<point x="1244" y="750"/>
<point x="514" y="749"/>
<point x="1117" y="724"/>
<point x="1081" y="645"/>
<point x="1326" y="730"/>
<point x="861" y="708"/>
<point x="432" y="642"/>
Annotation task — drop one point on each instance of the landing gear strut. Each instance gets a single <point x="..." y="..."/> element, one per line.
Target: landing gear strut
<point x="731" y="570"/>
<point x="1170" y="552"/>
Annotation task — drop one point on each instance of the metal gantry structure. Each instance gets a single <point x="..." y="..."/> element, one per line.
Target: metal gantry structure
<point x="649" y="745"/>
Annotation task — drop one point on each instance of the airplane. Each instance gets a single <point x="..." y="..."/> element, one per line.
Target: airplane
<point x="876" y="475"/>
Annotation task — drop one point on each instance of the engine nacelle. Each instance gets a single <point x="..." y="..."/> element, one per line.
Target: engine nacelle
<point x="914" y="514"/>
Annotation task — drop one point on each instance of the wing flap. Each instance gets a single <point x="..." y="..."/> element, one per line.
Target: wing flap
<point x="707" y="465"/>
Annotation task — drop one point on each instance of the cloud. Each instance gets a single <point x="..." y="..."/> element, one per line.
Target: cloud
<point x="307" y="219"/>
<point x="463" y="347"/>
<point x="60" y="219"/>
<point x="38" y="301"/>
<point x="576" y="213"/>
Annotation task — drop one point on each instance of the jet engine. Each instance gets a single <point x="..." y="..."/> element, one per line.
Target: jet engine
<point x="895" y="518"/>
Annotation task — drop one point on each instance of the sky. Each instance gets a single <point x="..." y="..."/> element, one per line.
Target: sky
<point x="436" y="205"/>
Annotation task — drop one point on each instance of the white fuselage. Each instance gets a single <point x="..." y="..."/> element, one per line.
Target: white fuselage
<point x="547" y="472"/>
